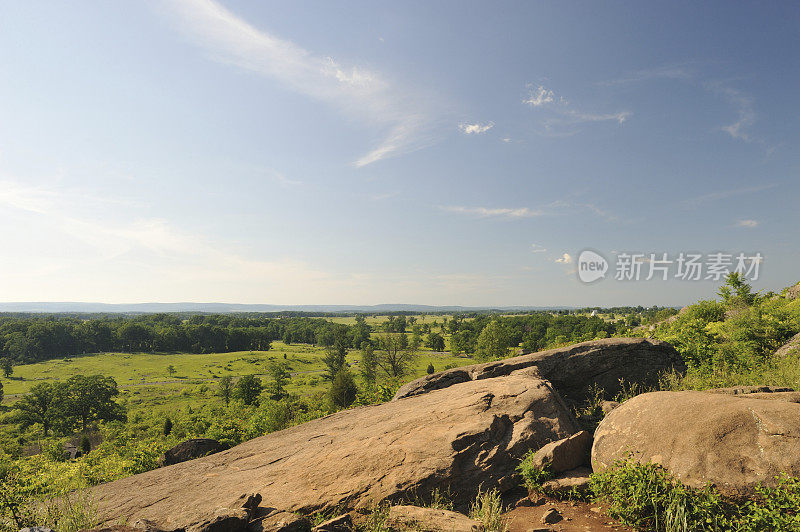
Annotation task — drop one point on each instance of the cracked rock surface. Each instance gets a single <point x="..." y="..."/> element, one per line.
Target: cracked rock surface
<point x="467" y="435"/>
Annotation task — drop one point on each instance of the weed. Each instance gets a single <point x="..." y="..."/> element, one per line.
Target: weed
<point x="488" y="510"/>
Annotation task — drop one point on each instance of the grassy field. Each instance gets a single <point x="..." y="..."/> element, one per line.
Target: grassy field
<point x="374" y="321"/>
<point x="138" y="372"/>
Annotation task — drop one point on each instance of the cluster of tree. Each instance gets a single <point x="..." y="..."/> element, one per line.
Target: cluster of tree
<point x="65" y="406"/>
<point x="533" y="332"/>
<point x="31" y="339"/>
<point x="740" y="331"/>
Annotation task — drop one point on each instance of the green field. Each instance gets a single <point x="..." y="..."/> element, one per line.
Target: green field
<point x="141" y="375"/>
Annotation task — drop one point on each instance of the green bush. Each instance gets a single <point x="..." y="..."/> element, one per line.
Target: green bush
<point x="533" y="476"/>
<point x="343" y="389"/>
<point x="645" y="496"/>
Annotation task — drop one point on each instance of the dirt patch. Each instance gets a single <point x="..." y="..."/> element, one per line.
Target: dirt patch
<point x="574" y="516"/>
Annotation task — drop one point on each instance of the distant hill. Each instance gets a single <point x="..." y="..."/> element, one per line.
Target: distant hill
<point x="222" y="308"/>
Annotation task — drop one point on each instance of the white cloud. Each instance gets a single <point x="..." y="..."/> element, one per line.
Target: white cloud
<point x="506" y="139"/>
<point x="539" y="96"/>
<point x="475" y="129"/>
<point x="34" y="199"/>
<point x="358" y="93"/>
<point x="488" y="212"/>
<point x="566" y="258"/>
<point x="563" y="116"/>
<point x="536" y="248"/>
<point x="747" y="223"/>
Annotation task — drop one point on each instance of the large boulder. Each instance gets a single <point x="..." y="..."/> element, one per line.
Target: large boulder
<point x="731" y="441"/>
<point x="469" y="435"/>
<point x="572" y="370"/>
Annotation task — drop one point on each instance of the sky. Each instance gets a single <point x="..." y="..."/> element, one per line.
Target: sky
<point x="442" y="153"/>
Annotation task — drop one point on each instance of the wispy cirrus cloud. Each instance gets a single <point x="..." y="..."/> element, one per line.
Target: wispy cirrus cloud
<point x="742" y="103"/>
<point x="680" y="72"/>
<point x="745" y="112"/>
<point x="555" y="208"/>
<point x="81" y="253"/>
<point x="493" y="212"/>
<point x="725" y="194"/>
<point x="359" y="93"/>
<point x="563" y="116"/>
<point x="475" y="129"/>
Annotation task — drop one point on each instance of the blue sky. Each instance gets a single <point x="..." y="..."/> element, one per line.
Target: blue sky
<point x="391" y="152"/>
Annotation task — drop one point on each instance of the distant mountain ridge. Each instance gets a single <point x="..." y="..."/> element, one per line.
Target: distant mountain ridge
<point x="224" y="308"/>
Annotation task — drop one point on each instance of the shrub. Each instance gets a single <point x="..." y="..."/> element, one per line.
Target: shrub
<point x="86" y="445"/>
<point x="343" y="389"/>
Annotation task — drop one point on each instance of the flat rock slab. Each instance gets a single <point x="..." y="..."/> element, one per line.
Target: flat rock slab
<point x="572" y="370"/>
<point x="462" y="437"/>
<point x="731" y="441"/>
<point x="430" y="520"/>
<point x="575" y="480"/>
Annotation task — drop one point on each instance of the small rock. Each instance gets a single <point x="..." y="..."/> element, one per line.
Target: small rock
<point x="551" y="516"/>
<point x="596" y="509"/>
<point x="340" y="523"/>
<point x="608" y="406"/>
<point x="36" y="529"/>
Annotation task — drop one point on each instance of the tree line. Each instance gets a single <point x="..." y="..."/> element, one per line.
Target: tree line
<point x="25" y="339"/>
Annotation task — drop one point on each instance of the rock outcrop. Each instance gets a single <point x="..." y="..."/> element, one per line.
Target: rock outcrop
<point x="191" y="449"/>
<point x="772" y="393"/>
<point x="793" y="292"/>
<point x="471" y="434"/>
<point x="792" y="347"/>
<point x="572" y="370"/>
<point x="731" y="441"/>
